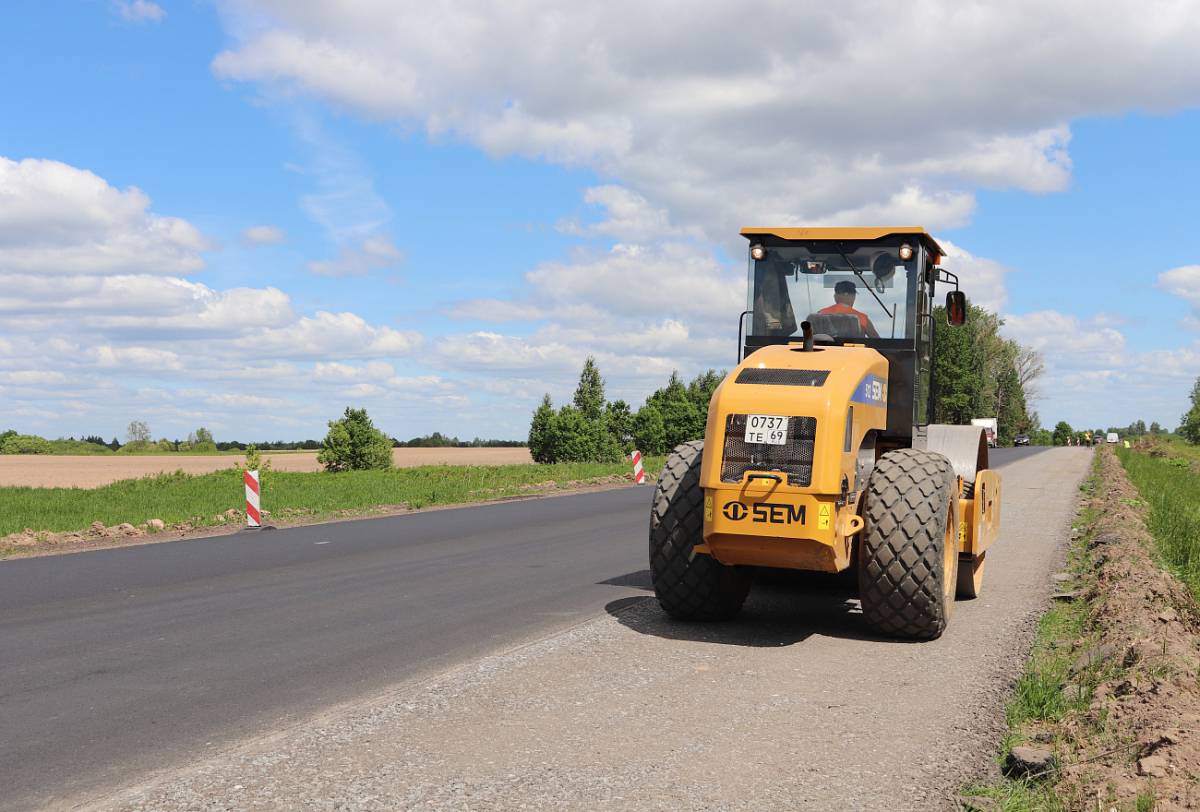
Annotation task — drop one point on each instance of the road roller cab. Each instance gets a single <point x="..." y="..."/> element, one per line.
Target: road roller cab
<point x="818" y="452"/>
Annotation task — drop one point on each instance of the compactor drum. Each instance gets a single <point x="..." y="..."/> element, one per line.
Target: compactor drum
<point x="818" y="453"/>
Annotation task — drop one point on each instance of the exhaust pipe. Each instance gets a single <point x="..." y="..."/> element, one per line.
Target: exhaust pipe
<point x="806" y="329"/>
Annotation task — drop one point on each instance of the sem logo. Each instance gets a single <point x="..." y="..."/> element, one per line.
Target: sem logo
<point x="871" y="390"/>
<point x="734" y="511"/>
<point x="765" y="513"/>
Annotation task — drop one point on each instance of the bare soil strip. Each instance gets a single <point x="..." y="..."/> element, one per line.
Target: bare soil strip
<point x="1140" y="736"/>
<point x="792" y="706"/>
<point x="49" y="471"/>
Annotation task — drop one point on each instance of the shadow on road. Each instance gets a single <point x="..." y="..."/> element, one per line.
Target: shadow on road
<point x="784" y="608"/>
<point x="637" y="580"/>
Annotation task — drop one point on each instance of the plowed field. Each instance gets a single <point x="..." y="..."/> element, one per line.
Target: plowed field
<point x="43" y="471"/>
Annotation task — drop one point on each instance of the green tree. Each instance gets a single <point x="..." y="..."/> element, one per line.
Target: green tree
<point x="589" y="393"/>
<point x="200" y="440"/>
<point x="1062" y="432"/>
<point x="353" y="443"/>
<point x="573" y="436"/>
<point x="701" y="389"/>
<point x="13" y="443"/>
<point x="1189" y="424"/>
<point x="1155" y="428"/>
<point x="649" y="432"/>
<point x="979" y="373"/>
<point x="541" y="432"/>
<point x="681" y="419"/>
<point x="618" y="424"/>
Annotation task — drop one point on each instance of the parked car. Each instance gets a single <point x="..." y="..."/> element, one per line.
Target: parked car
<point x="1112" y="437"/>
<point x="1021" y="439"/>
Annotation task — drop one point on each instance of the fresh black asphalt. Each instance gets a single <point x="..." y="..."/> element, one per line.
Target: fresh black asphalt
<point x="114" y="663"/>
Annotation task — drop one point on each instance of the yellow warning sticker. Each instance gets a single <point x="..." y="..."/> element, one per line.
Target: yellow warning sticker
<point x="962" y="532"/>
<point x="823" y="517"/>
<point x="708" y="508"/>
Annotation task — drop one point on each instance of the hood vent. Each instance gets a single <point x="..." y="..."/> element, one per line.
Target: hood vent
<point x="783" y="377"/>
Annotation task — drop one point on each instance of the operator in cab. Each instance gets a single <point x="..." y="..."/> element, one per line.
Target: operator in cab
<point x="844" y="294"/>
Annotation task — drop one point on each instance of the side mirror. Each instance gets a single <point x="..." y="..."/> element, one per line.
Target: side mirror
<point x="811" y="266"/>
<point x="956" y="308"/>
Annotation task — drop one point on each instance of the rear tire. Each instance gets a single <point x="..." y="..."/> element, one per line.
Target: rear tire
<point x="689" y="585"/>
<point x="908" y="557"/>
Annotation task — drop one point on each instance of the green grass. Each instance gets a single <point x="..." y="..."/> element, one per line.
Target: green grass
<point x="181" y="497"/>
<point x="1170" y="486"/>
<point x="1013" y="796"/>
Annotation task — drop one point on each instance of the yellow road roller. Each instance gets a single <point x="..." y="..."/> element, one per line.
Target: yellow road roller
<point x="819" y="453"/>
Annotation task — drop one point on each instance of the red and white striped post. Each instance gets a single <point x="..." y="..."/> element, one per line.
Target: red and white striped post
<point x="639" y="476"/>
<point x="253" y="511"/>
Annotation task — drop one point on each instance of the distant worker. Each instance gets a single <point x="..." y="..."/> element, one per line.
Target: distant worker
<point x="844" y="294"/>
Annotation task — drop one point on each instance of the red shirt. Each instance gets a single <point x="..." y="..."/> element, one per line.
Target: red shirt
<point x="839" y="308"/>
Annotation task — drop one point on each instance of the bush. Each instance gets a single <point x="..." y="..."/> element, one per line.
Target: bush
<point x="24" y="444"/>
<point x="354" y="444"/>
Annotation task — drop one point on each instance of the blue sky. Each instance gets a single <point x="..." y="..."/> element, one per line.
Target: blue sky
<point x="249" y="214"/>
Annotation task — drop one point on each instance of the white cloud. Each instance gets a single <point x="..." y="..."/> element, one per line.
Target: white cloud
<point x="143" y="358"/>
<point x="851" y="110"/>
<point x="162" y="306"/>
<point x="629" y="217"/>
<point x="32" y="377"/>
<point x="1183" y="282"/>
<point x="1093" y="378"/>
<point x="263" y="235"/>
<point x="374" y="253"/>
<point x="96" y="303"/>
<point x="337" y="371"/>
<point x="677" y="280"/>
<point x="983" y="280"/>
<point x="139" y="11"/>
<point x="331" y="335"/>
<point x="56" y="219"/>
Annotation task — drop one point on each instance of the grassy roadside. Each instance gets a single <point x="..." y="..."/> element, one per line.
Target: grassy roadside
<point x="1045" y="693"/>
<point x="1167" y="475"/>
<point x="201" y="500"/>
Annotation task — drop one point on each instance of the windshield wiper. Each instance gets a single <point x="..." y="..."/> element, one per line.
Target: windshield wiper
<point x="867" y="285"/>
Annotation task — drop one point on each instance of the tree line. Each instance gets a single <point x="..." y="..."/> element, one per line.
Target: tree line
<point x="592" y="429"/>
<point x="979" y="373"/>
<point x="976" y="373"/>
<point x="200" y="441"/>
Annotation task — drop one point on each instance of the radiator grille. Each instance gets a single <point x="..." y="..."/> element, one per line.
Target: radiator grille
<point x="783" y="377"/>
<point x="794" y="458"/>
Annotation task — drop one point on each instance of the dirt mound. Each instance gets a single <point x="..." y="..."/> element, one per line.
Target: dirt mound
<point x="1140" y="737"/>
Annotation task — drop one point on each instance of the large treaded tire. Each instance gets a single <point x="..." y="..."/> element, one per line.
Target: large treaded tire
<point x="906" y="576"/>
<point x="688" y="586"/>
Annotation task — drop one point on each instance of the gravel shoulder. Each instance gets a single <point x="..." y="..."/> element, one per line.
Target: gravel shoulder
<point x="789" y="707"/>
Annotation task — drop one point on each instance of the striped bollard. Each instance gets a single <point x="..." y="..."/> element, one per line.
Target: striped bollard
<point x="253" y="513"/>
<point x="639" y="476"/>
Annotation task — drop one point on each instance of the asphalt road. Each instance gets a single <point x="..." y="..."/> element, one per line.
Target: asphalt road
<point x="117" y="663"/>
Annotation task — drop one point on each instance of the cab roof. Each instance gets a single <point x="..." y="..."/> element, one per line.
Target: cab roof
<point x="857" y="233"/>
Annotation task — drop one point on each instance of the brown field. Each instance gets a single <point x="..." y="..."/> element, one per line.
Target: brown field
<point x="46" y="471"/>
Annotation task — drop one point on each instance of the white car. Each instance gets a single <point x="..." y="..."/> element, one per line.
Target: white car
<point x="1112" y="437"/>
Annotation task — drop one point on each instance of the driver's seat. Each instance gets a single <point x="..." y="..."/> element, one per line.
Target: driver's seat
<point x="837" y="325"/>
